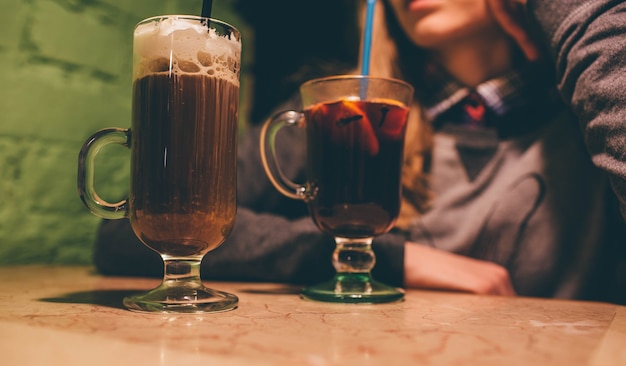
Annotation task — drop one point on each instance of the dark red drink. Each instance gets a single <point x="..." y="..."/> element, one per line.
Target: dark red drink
<point x="355" y="152"/>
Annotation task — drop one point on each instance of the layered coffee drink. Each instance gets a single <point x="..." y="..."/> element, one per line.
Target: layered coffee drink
<point x="184" y="136"/>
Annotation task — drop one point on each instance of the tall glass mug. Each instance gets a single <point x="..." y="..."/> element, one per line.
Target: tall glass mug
<point x="183" y="142"/>
<point x="355" y="129"/>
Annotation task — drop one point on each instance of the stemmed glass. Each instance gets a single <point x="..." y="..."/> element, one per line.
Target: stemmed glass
<point x="183" y="142"/>
<point x="355" y="128"/>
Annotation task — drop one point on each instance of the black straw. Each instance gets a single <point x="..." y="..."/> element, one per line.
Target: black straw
<point x="206" y="8"/>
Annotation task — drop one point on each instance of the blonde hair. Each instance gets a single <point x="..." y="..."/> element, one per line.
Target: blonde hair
<point x="385" y="62"/>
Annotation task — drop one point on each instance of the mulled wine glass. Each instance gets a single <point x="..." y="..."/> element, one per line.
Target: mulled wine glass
<point x="355" y="131"/>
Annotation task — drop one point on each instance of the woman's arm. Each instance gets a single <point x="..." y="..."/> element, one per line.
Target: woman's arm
<point x="274" y="239"/>
<point x="587" y="41"/>
<point x="430" y="268"/>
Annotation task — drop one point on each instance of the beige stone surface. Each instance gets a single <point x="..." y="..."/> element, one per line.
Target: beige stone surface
<point x="71" y="316"/>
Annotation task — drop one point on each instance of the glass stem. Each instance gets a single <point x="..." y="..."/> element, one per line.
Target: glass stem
<point x="182" y="271"/>
<point x="354" y="255"/>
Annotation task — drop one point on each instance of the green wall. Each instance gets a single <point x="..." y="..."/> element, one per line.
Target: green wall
<point x="65" y="71"/>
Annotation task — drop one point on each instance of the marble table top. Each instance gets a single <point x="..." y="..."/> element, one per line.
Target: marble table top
<point x="71" y="316"/>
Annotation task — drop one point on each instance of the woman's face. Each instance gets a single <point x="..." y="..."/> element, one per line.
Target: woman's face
<point x="438" y="24"/>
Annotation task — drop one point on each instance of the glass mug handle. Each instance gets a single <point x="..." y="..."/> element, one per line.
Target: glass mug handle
<point x="86" y="173"/>
<point x="270" y="162"/>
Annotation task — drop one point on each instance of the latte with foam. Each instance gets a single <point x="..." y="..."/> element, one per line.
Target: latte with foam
<point x="184" y="134"/>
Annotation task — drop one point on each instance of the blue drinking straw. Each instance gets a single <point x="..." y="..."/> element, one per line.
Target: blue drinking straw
<point x="367" y="37"/>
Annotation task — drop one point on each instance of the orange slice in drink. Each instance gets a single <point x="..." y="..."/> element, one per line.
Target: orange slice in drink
<point x="361" y="124"/>
<point x="390" y="119"/>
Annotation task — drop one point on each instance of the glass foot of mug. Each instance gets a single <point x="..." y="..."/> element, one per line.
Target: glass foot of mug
<point x="353" y="288"/>
<point x="181" y="299"/>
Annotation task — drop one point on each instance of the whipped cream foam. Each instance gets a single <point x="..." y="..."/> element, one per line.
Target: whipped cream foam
<point x="182" y="44"/>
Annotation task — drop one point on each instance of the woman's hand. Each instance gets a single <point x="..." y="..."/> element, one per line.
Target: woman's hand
<point x="511" y="15"/>
<point x="429" y="268"/>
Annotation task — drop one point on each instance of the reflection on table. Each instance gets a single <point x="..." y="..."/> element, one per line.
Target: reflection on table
<point x="72" y="316"/>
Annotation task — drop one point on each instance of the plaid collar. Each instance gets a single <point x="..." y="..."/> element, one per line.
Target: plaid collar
<point x="501" y="95"/>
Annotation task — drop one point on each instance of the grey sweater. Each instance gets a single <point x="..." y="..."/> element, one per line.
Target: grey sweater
<point x="587" y="39"/>
<point x="539" y="206"/>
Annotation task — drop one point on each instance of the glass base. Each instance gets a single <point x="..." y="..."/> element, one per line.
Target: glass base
<point x="181" y="298"/>
<point x="353" y="288"/>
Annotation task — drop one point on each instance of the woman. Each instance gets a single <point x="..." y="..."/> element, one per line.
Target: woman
<point x="504" y="190"/>
<point x="512" y="204"/>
